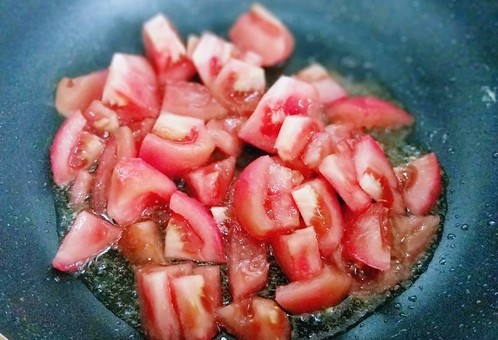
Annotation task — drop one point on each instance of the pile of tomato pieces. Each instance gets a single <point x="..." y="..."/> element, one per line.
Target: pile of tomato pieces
<point x="149" y="157"/>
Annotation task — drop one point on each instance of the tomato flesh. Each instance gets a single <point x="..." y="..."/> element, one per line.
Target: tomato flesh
<point x="328" y="89"/>
<point x="141" y="243"/>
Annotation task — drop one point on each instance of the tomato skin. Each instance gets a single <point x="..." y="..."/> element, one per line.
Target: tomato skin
<point x="89" y="236"/>
<point x="328" y="89"/>
<point x="260" y="31"/>
<point x="141" y="243"/>
<point x="133" y="184"/>
<point x="76" y="94"/>
<point x="326" y="289"/>
<point x="368" y="112"/>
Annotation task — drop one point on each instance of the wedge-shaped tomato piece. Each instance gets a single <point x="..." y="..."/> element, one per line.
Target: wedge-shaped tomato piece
<point x="177" y="145"/>
<point x="412" y="235"/>
<point x="239" y="86"/>
<point x="75" y="94"/>
<point x="262" y="201"/>
<point x="421" y="181"/>
<point x="225" y="134"/>
<point x="329" y="90"/>
<point x="376" y="175"/>
<point x="192" y="234"/>
<point x="191" y="99"/>
<point x="255" y="318"/>
<point x="100" y="118"/>
<point x="260" y="31"/>
<point x="210" y="184"/>
<point x="89" y="236"/>
<point x="141" y="243"/>
<point x="287" y="97"/>
<point x="297" y="254"/>
<point x="81" y="189"/>
<point x="343" y="137"/>
<point x="319" y="207"/>
<point x="368" y="112"/>
<point x="326" y="289"/>
<point x="248" y="263"/>
<point x="366" y="237"/>
<point x="212" y="286"/>
<point x="318" y="147"/>
<point x="196" y="318"/>
<point x="131" y="88"/>
<point x="165" y="50"/>
<point x="294" y="135"/>
<point x="135" y="186"/>
<point x="86" y="151"/>
<point x="338" y="170"/>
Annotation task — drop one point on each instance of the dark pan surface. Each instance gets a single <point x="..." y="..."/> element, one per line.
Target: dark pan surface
<point x="438" y="58"/>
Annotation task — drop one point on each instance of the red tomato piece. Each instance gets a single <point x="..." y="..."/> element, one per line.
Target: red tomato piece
<point x="343" y="137"/>
<point x="75" y="94"/>
<point x="421" y="180"/>
<point x="89" y="236"/>
<point x="194" y="235"/>
<point x="239" y="86"/>
<point x="255" y="318"/>
<point x="191" y="99"/>
<point x="260" y="31"/>
<point x="100" y="118"/>
<point x="135" y="186"/>
<point x="294" y="135"/>
<point x="141" y="243"/>
<point x="262" y="200"/>
<point x="338" y="170"/>
<point x="196" y="319"/>
<point x="212" y="287"/>
<point x="297" y="254"/>
<point x="131" y="88"/>
<point x="366" y="237"/>
<point x="319" y="207"/>
<point x="177" y="145"/>
<point x="81" y="189"/>
<point x="86" y="151"/>
<point x="66" y="139"/>
<point x="287" y="97"/>
<point x="329" y="90"/>
<point x="318" y="147"/>
<point x="368" y="112"/>
<point x="326" y="289"/>
<point x="165" y="50"/>
<point x="248" y="263"/>
<point x="210" y="184"/>
<point x="106" y="163"/>
<point x="225" y="134"/>
<point x="376" y="175"/>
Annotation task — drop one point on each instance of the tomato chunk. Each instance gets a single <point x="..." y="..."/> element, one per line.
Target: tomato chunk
<point x="135" y="186"/>
<point x="328" y="89"/>
<point x="318" y="147"/>
<point x="260" y="31"/>
<point x="294" y="135"/>
<point x="255" y="318"/>
<point x="287" y="97"/>
<point x="326" y="289"/>
<point x="76" y="94"/>
<point x="368" y="112"/>
<point x="101" y="118"/>
<point x="81" y="189"/>
<point x="89" y="236"/>
<point x="225" y="134"/>
<point x="141" y="243"/>
<point x="212" y="287"/>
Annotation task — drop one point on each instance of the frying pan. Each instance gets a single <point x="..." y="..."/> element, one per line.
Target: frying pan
<point x="438" y="58"/>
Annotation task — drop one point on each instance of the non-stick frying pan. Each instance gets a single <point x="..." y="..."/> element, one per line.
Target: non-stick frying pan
<point x="438" y="58"/>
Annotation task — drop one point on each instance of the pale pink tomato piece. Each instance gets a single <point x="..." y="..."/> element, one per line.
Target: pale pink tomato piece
<point x="141" y="243"/>
<point x="212" y="286"/>
<point x="100" y="118"/>
<point x="225" y="134"/>
<point x="177" y="145"/>
<point x="294" y="135"/>
<point x="81" y="189"/>
<point x="88" y="236"/>
<point x="75" y="94"/>
<point x="287" y="97"/>
<point x="329" y="90"/>
<point x="86" y="151"/>
<point x="318" y="147"/>
<point x="106" y="163"/>
<point x="260" y="31"/>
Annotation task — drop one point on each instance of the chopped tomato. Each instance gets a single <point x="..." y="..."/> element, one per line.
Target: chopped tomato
<point x="81" y="189"/>
<point x="191" y="99"/>
<point x="141" y="243"/>
<point x="177" y="145"/>
<point x="297" y="254"/>
<point x="318" y="147"/>
<point x="294" y="135"/>
<point x="248" y="263"/>
<point x="192" y="234"/>
<point x="366" y="237"/>
<point x="131" y="88"/>
<point x="75" y="94"/>
<point x="225" y="134"/>
<point x="260" y="31"/>
<point x="89" y="236"/>
<point x="255" y="318"/>
<point x="319" y="207"/>
<point x="210" y="184"/>
<point x="368" y="112"/>
<point x="100" y="118"/>
<point x="287" y="97"/>
<point x="212" y="286"/>
<point x="326" y="289"/>
<point x="106" y="163"/>
<point x="135" y="186"/>
<point x="421" y="181"/>
<point x="329" y="90"/>
<point x="86" y="151"/>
